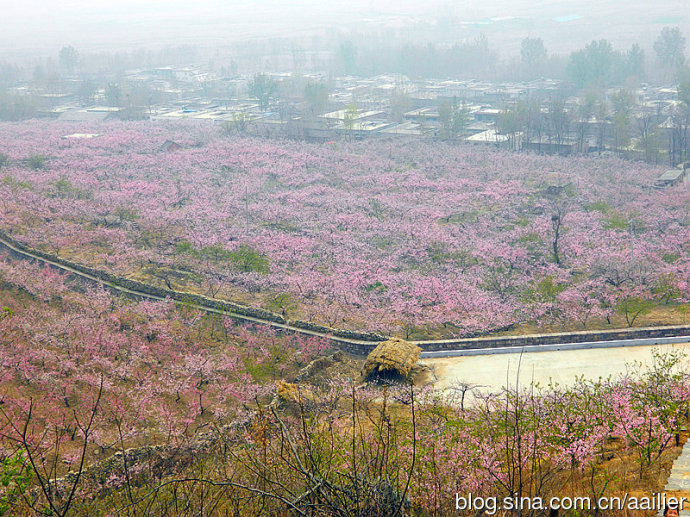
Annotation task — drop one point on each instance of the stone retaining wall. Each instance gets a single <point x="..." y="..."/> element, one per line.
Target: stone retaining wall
<point x="556" y="338"/>
<point x="142" y="289"/>
<point x="360" y="343"/>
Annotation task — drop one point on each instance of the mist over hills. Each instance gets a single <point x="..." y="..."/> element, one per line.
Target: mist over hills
<point x="39" y="28"/>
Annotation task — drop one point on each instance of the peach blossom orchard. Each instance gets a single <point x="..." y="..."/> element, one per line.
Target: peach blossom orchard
<point x="86" y="375"/>
<point x="404" y="237"/>
<point x="394" y="236"/>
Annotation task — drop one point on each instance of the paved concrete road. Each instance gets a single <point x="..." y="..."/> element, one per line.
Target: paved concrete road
<point x="494" y="371"/>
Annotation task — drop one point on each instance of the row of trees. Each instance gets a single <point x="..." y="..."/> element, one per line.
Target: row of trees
<point x="598" y="64"/>
<point x="615" y="122"/>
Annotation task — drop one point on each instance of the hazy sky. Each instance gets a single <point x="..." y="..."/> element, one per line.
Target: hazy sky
<point x="40" y="24"/>
<point x="43" y="26"/>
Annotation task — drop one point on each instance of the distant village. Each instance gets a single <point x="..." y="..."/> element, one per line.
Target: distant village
<point x="538" y="115"/>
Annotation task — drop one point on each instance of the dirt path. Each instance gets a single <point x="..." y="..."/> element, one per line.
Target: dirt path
<point x="563" y="367"/>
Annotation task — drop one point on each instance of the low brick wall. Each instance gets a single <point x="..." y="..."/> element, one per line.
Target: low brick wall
<point x="555" y="338"/>
<point x="342" y="333"/>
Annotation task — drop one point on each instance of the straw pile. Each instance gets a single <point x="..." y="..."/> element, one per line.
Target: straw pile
<point x="392" y="356"/>
<point x="292" y="393"/>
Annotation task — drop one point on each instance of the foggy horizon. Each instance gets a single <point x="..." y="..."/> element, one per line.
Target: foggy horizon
<point x="35" y="28"/>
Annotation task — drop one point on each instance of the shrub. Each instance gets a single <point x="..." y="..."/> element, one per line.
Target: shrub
<point x="36" y="161"/>
<point x="248" y="259"/>
<point x="14" y="479"/>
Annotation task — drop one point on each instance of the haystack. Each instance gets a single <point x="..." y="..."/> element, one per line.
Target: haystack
<point x="292" y="393"/>
<point x="392" y="356"/>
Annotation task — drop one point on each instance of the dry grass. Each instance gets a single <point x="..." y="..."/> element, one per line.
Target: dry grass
<point x="658" y="316"/>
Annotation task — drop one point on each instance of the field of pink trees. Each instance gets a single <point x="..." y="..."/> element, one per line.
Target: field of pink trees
<point x="115" y="407"/>
<point x="403" y="237"/>
<point x="160" y="367"/>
